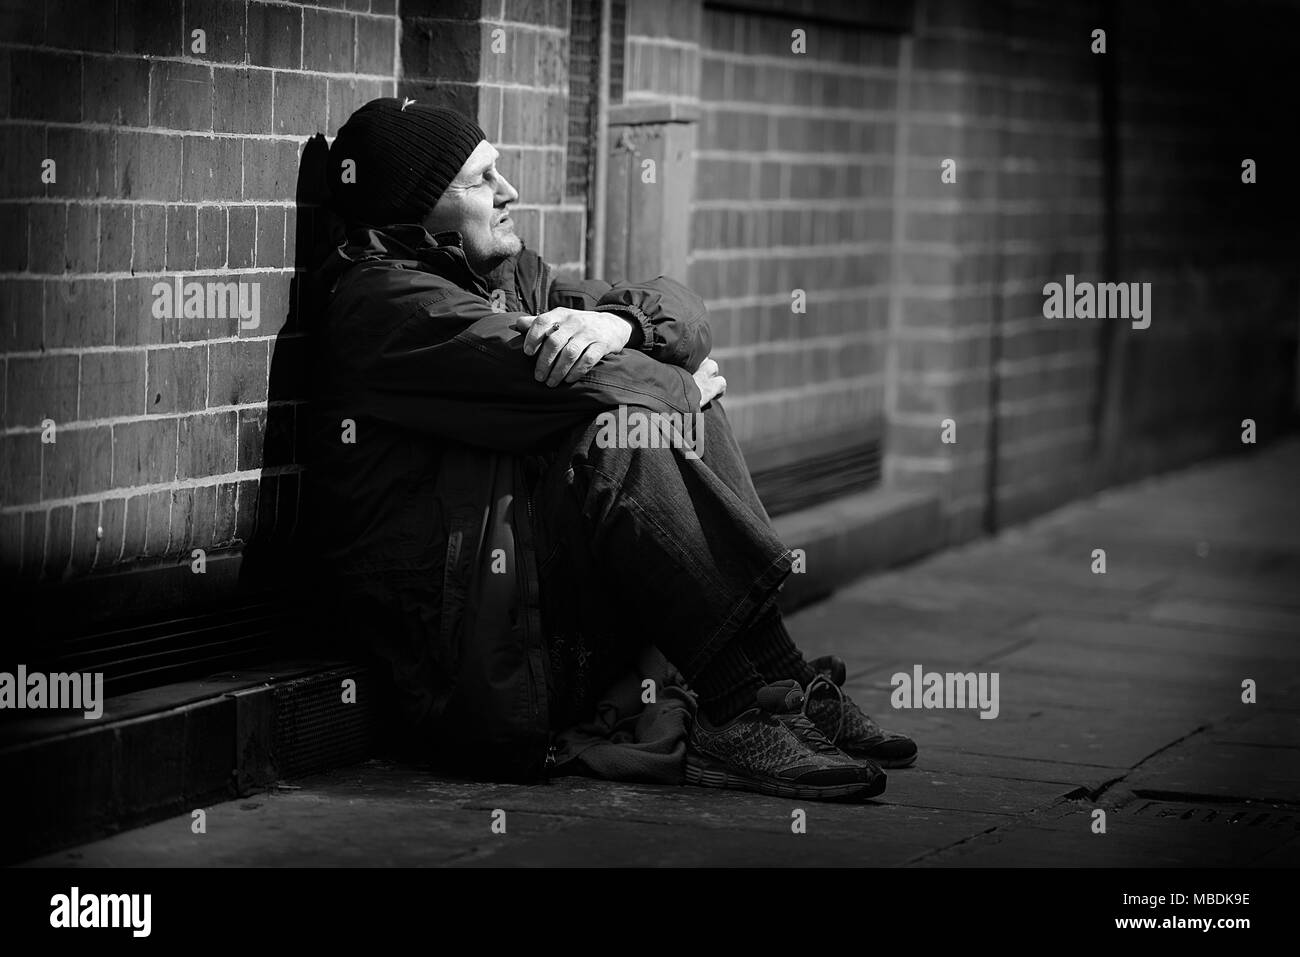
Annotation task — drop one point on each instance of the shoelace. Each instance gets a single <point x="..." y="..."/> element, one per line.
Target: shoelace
<point x="822" y="679"/>
<point x="798" y="721"/>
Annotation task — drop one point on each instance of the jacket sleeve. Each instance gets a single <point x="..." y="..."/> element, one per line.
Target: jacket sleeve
<point x="456" y="369"/>
<point x="673" y="321"/>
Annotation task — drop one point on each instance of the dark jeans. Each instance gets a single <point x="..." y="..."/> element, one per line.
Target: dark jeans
<point x="648" y="546"/>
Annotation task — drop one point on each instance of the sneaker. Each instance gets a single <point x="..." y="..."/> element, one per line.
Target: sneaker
<point x="844" y="724"/>
<point x="773" y="749"/>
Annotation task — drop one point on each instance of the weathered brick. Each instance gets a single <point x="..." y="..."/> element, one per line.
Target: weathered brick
<point x="22" y="311"/>
<point x="134" y="527"/>
<point x="177" y="379"/>
<point x="376" y="40"/>
<point x="115" y="90"/>
<point x="181" y="533"/>
<point x="39" y="388"/>
<point x="252" y="438"/>
<point x="112" y="384"/>
<point x="58" y="542"/>
<point x="275" y="35"/>
<point x="243" y="101"/>
<point x="20" y="468"/>
<point x="301" y="104"/>
<point x="21" y="161"/>
<point x="85" y="526"/>
<point x="115" y="232"/>
<point x="223" y="25"/>
<point x="149" y="243"/>
<point x="271" y="166"/>
<point x="47" y="230"/>
<point x="158" y="516"/>
<point x="225" y="513"/>
<point x="242" y="236"/>
<point x="182" y="237"/>
<point x="246" y="511"/>
<point x="148" y="166"/>
<point x="78" y="312"/>
<point x="144" y="453"/>
<point x="45" y="86"/>
<point x="151" y="27"/>
<point x="327" y="41"/>
<point x="213" y="168"/>
<point x="237" y="372"/>
<point x="85" y="162"/>
<point x="13" y="239"/>
<point x="270" y="235"/>
<point x="23" y="23"/>
<point x="112" y="522"/>
<point x="181" y="96"/>
<point x="203" y="516"/>
<point x="79" y="463"/>
<point x="207" y="445"/>
<point x="81" y="248"/>
<point x="212" y="237"/>
<point x="275" y="299"/>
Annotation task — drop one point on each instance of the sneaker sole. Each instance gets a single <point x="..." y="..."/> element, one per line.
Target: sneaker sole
<point x="705" y="772"/>
<point x="892" y="765"/>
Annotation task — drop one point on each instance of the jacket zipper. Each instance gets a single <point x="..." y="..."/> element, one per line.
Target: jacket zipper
<point x="529" y="559"/>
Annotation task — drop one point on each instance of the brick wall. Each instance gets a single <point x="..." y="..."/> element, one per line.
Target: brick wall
<point x="1199" y="92"/>
<point x="1008" y="93"/>
<point x="817" y="171"/>
<point x="507" y="64"/>
<point x="171" y="160"/>
<point x="1124" y="169"/>
<point x="794" y="192"/>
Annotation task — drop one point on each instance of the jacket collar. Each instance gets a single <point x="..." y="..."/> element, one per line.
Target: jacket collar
<point x="410" y="246"/>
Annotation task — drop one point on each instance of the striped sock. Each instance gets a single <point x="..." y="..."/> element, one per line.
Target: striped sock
<point x="773" y="652"/>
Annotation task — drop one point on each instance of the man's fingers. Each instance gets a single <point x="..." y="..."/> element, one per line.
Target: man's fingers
<point x="540" y="332"/>
<point x="550" y="347"/>
<point x="523" y="323"/>
<point x="587" y="361"/>
<point x="564" y="361"/>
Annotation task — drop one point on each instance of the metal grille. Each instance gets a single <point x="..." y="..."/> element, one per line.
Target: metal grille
<point x="1266" y="817"/>
<point x="134" y="656"/>
<point x="797" y="474"/>
<point x="314" y="730"/>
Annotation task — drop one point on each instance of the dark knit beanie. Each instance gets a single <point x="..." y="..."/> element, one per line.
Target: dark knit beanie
<point x="403" y="158"/>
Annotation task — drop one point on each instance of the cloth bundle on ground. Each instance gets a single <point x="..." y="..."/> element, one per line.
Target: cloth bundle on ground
<point x="628" y="739"/>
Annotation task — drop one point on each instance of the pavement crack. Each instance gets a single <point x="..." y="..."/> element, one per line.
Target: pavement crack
<point x="1106" y="786"/>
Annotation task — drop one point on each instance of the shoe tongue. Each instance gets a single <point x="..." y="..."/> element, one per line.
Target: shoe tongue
<point x="781" y="697"/>
<point x="833" y="667"/>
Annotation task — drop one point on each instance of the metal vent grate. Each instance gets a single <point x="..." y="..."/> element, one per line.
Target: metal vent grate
<point x="315" y="730"/>
<point x="1267" y="818"/>
<point x="805" y="472"/>
<point x="146" y="654"/>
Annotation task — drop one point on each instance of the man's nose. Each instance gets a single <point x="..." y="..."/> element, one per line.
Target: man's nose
<point x="505" y="192"/>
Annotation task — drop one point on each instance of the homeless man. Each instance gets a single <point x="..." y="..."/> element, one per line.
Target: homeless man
<point x="501" y="562"/>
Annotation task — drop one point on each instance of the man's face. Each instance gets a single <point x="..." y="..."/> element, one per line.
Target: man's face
<point x="476" y="206"/>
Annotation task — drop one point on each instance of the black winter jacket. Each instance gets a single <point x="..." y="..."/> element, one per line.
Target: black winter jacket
<point x="424" y="413"/>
